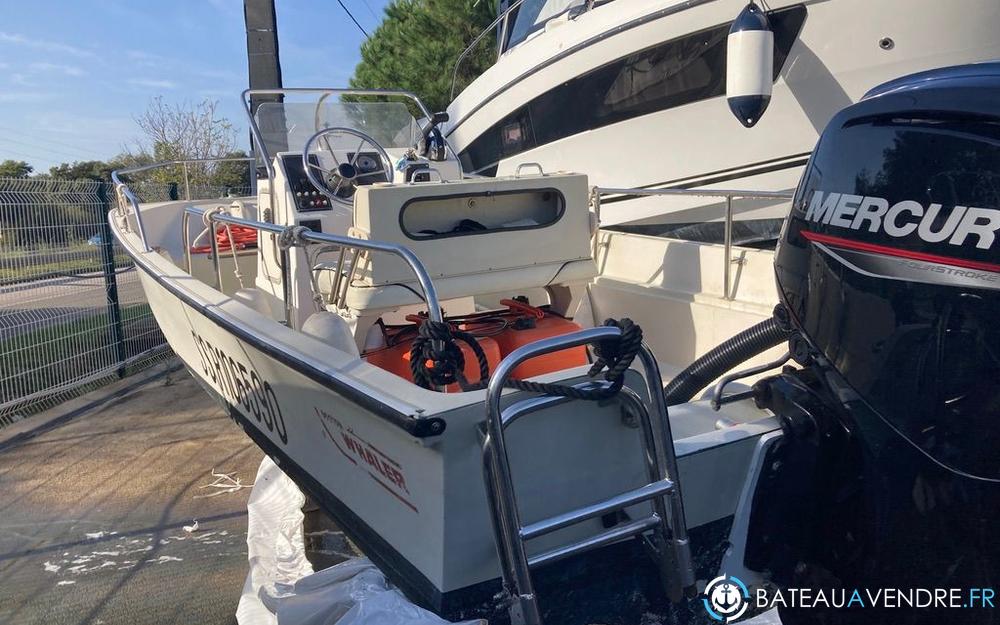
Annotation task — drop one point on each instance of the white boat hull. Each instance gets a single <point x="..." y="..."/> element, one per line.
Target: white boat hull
<point x="413" y="498"/>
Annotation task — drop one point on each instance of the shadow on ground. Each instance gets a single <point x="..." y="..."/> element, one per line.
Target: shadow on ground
<point x="93" y="514"/>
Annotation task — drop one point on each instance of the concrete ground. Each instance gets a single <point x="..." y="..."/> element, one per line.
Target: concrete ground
<point x="96" y="511"/>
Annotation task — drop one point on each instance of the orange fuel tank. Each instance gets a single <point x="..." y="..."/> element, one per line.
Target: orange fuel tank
<point x="529" y="324"/>
<point x="498" y="332"/>
<point x="396" y="358"/>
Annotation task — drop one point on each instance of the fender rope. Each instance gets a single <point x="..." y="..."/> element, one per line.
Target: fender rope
<point x="445" y="364"/>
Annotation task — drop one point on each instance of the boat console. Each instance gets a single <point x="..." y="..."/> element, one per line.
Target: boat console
<point x="509" y="236"/>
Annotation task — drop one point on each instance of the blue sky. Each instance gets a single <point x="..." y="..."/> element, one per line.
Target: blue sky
<point x="74" y="73"/>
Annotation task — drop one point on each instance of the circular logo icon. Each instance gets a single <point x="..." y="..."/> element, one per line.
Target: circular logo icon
<point x="726" y="598"/>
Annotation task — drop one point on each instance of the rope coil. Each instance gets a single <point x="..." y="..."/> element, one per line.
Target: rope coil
<point x="228" y="238"/>
<point x="291" y="236"/>
<point x="436" y="345"/>
<point x="436" y="360"/>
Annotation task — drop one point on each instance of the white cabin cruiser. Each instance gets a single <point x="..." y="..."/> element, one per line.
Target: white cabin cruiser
<point x="633" y="92"/>
<point x="346" y="340"/>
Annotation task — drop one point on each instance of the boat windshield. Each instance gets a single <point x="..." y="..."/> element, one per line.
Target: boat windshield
<point x="286" y="126"/>
<point x="532" y="15"/>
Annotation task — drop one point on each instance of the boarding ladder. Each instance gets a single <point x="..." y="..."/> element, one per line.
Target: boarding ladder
<point x="664" y="531"/>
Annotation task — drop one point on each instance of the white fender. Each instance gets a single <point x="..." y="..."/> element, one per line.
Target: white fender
<point x="749" y="65"/>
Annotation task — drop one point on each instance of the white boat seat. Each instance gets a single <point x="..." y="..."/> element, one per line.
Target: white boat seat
<point x="473" y="237"/>
<point x="364" y="298"/>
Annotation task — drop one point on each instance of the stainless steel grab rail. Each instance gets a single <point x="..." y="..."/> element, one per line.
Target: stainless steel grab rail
<point x="292" y="236"/>
<point x="124" y="192"/>
<point x="661" y="465"/>
<point x="728" y="194"/>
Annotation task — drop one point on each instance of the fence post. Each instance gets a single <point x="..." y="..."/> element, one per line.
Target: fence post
<point x="111" y="277"/>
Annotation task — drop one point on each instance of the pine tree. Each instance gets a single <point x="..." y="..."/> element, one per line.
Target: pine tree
<point x="417" y="44"/>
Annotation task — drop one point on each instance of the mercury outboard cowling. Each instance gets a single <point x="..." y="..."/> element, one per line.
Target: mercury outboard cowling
<point x="889" y="267"/>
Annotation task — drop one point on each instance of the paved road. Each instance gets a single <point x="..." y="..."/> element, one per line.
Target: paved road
<point x="35" y="305"/>
<point x="92" y="514"/>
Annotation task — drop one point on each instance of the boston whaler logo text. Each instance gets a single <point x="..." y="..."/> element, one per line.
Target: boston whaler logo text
<point x="386" y="472"/>
<point x="240" y="384"/>
<point x="965" y="224"/>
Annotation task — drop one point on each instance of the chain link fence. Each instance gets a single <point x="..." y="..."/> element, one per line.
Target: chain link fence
<point x="72" y="312"/>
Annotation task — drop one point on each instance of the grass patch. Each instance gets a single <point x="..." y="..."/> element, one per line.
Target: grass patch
<point x="24" y="266"/>
<point x="60" y="354"/>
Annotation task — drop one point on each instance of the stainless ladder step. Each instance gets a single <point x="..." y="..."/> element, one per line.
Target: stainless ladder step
<point x="667" y="524"/>
<point x="619" y="532"/>
<point x="619" y="502"/>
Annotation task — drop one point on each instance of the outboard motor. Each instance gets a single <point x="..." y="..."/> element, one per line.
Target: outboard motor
<point x="889" y="269"/>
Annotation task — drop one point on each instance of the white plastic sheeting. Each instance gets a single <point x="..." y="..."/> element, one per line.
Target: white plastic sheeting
<point x="281" y="587"/>
<point x="767" y="618"/>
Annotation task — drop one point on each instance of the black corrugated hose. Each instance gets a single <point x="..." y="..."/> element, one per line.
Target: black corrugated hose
<point x="742" y="347"/>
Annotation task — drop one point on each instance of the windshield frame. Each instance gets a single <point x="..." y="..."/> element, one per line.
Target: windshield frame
<point x="573" y="9"/>
<point x="537" y="23"/>
<point x="260" y="146"/>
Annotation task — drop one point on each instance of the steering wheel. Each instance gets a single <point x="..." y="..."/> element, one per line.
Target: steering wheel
<point x="339" y="181"/>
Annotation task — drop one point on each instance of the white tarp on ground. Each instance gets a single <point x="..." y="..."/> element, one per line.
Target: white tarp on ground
<point x="281" y="587"/>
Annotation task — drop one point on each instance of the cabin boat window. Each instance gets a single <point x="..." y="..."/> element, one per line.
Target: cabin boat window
<point x="532" y="15"/>
<point x="681" y="71"/>
<point x="286" y="126"/>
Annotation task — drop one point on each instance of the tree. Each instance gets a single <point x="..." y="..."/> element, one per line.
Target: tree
<point x="233" y="175"/>
<point x="416" y="46"/>
<point x="185" y="131"/>
<point x="15" y="169"/>
<point x="83" y="170"/>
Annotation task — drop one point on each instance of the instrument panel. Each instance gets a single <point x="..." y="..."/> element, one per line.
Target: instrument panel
<point x="307" y="197"/>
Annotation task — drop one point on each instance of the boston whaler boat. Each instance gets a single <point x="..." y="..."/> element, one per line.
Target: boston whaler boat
<point x="319" y="348"/>
<point x="519" y="461"/>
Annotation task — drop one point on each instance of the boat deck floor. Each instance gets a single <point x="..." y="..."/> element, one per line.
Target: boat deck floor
<point x="94" y="501"/>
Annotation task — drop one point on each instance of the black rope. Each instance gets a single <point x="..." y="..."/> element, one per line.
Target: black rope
<point x="436" y="345"/>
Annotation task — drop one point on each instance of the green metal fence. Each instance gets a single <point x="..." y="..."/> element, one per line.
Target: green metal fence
<point x="72" y="313"/>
